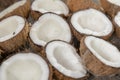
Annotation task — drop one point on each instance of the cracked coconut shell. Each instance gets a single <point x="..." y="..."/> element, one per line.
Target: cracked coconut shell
<point x="12" y="43"/>
<point x="21" y="10"/>
<point x="93" y="64"/>
<point x="110" y="8"/>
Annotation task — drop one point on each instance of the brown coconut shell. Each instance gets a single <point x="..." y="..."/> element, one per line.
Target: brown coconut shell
<point x="6" y="3"/>
<point x="17" y="41"/>
<point x="110" y="8"/>
<point x="28" y="51"/>
<point x="36" y="14"/>
<point x="79" y="35"/>
<point x="93" y="64"/>
<point x="58" y="75"/>
<point x="117" y="29"/>
<point x="22" y="11"/>
<point x="76" y="5"/>
<point x="36" y="48"/>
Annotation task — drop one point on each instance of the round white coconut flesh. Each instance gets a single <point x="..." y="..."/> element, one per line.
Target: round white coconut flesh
<point x="10" y="27"/>
<point x="50" y="27"/>
<point x="104" y="51"/>
<point x="117" y="19"/>
<point x="65" y="59"/>
<point x="12" y="8"/>
<point x="55" y="6"/>
<point x="91" y="22"/>
<point x="24" y="66"/>
<point x="115" y="2"/>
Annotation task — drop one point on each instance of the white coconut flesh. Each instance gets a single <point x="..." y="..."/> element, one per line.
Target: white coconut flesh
<point x="50" y="27"/>
<point x="24" y="66"/>
<point x="115" y="2"/>
<point x="55" y="6"/>
<point x="12" y="8"/>
<point x="65" y="59"/>
<point x="104" y="51"/>
<point x="10" y="27"/>
<point x="117" y="19"/>
<point x="91" y="22"/>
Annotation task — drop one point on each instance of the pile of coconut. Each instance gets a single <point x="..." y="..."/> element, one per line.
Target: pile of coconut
<point x="59" y="39"/>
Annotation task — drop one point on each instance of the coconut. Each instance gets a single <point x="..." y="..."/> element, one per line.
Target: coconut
<point x="91" y="22"/>
<point x="49" y="27"/>
<point x="25" y="66"/>
<point x="116" y="22"/>
<point x="100" y="57"/>
<point x="76" y="5"/>
<point x="111" y="6"/>
<point x="65" y="60"/>
<point x="40" y="7"/>
<point x="20" y="8"/>
<point x="13" y="33"/>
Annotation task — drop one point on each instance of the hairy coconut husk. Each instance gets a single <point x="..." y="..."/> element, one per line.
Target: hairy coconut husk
<point x="22" y="10"/>
<point x="6" y="3"/>
<point x="35" y="15"/>
<point x="36" y="48"/>
<point x="93" y="64"/>
<point x="17" y="41"/>
<point x="57" y="75"/>
<point x="60" y="76"/>
<point x="79" y="35"/>
<point x="76" y="5"/>
<point x="110" y="9"/>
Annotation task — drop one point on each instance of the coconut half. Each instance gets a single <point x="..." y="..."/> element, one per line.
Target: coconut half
<point x="111" y="6"/>
<point x="50" y="27"/>
<point x="116" y="22"/>
<point x="91" y="22"/>
<point x="13" y="33"/>
<point x="64" y="58"/>
<point x="76" y="5"/>
<point x="100" y="57"/>
<point x="24" y="66"/>
<point x="20" y="8"/>
<point x="43" y="6"/>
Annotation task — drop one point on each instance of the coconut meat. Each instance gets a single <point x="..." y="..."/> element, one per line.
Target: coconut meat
<point x="55" y="6"/>
<point x="65" y="59"/>
<point x="50" y="27"/>
<point x="91" y="22"/>
<point x="104" y="51"/>
<point x="117" y="19"/>
<point x="12" y="8"/>
<point x="26" y="66"/>
<point x="10" y="27"/>
<point x="116" y="2"/>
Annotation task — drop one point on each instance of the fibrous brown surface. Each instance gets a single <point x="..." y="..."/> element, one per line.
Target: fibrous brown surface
<point x="93" y="64"/>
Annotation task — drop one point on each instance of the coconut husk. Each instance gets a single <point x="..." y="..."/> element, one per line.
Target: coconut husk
<point x="79" y="35"/>
<point x="17" y="41"/>
<point x="35" y="14"/>
<point x="117" y="28"/>
<point x="110" y="8"/>
<point x="6" y="3"/>
<point x="76" y="5"/>
<point x="93" y="64"/>
<point x="57" y="75"/>
<point x="36" y="48"/>
<point x="60" y="76"/>
<point x="22" y="11"/>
